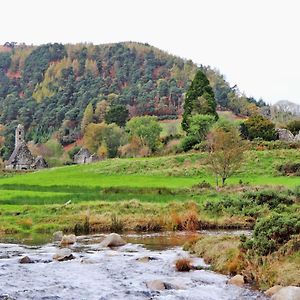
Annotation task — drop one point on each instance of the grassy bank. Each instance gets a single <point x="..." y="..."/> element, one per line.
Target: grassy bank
<point x="228" y="257"/>
<point x="103" y="216"/>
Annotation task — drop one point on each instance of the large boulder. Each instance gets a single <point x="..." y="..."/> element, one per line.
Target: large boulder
<point x="297" y="137"/>
<point x="112" y="240"/>
<point x="237" y="280"/>
<point x="287" y="293"/>
<point x="63" y="254"/>
<point x="68" y="239"/>
<point x="273" y="290"/>
<point x="57" y="236"/>
<point x="285" y="135"/>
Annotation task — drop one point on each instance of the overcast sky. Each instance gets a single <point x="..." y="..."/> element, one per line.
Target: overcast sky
<point x="254" y="43"/>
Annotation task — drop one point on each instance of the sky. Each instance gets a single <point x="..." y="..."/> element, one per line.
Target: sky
<point x="254" y="43"/>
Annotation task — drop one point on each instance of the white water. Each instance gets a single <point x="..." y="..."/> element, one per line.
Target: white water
<point x="102" y="273"/>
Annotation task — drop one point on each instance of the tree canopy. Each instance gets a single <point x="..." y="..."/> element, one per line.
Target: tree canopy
<point x="199" y="99"/>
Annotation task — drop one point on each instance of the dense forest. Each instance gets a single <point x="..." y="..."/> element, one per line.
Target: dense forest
<point x="49" y="87"/>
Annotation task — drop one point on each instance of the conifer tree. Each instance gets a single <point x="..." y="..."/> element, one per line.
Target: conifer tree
<point x="199" y="99"/>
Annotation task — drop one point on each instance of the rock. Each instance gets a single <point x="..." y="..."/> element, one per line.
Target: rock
<point x="112" y="240"/>
<point x="26" y="260"/>
<point x="6" y="297"/>
<point x="57" y="236"/>
<point x="274" y="289"/>
<point x="297" y="137"/>
<point x="174" y="286"/>
<point x="68" y="239"/>
<point x="237" y="280"/>
<point x="285" y="135"/>
<point x="87" y="261"/>
<point x="156" y="285"/>
<point x="63" y="254"/>
<point x="287" y="293"/>
<point x="145" y="259"/>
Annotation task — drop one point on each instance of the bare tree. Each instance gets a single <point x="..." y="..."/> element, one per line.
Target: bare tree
<point x="226" y="152"/>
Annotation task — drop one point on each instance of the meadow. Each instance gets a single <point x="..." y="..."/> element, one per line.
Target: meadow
<point x="151" y="185"/>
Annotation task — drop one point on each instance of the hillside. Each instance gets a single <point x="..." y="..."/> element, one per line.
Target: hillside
<point x="48" y="87"/>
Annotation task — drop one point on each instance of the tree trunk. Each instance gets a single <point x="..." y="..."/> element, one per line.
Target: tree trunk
<point x="223" y="181"/>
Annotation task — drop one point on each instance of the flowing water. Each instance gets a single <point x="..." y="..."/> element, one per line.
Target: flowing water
<point x="119" y="273"/>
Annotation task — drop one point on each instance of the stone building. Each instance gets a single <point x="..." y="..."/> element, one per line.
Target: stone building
<point x="21" y="158"/>
<point x="83" y="156"/>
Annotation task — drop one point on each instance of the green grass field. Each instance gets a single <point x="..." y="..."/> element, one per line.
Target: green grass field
<point x="156" y="180"/>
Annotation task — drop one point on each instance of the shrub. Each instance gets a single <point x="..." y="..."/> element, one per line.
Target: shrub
<point x="272" y="232"/>
<point x="290" y="168"/>
<point x="183" y="265"/>
<point x="259" y="127"/>
<point x="294" y="126"/>
<point x="271" y="198"/>
<point x="188" y="142"/>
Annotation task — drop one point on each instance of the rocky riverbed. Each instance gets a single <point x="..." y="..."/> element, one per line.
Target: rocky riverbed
<point x="132" y="271"/>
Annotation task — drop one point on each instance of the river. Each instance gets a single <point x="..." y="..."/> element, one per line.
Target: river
<point x="109" y="274"/>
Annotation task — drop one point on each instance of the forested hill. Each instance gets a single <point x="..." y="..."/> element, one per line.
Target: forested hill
<point x="48" y="87"/>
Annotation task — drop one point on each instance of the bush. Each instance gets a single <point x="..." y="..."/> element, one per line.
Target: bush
<point x="272" y="198"/>
<point x="294" y="126"/>
<point x="188" y="142"/>
<point x="183" y="265"/>
<point x="272" y="232"/>
<point x="231" y="206"/>
<point x="259" y="127"/>
<point x="290" y="168"/>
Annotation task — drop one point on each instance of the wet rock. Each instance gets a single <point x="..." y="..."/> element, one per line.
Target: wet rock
<point x="68" y="240"/>
<point x="145" y="259"/>
<point x="6" y="297"/>
<point x="112" y="240"/>
<point x="87" y="261"/>
<point x="237" y="280"/>
<point x="57" y="236"/>
<point x="273" y="290"/>
<point x="26" y="260"/>
<point x="174" y="286"/>
<point x="63" y="254"/>
<point x="287" y="293"/>
<point x="156" y="285"/>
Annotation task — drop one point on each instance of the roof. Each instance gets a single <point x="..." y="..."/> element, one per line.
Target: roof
<point x="21" y="155"/>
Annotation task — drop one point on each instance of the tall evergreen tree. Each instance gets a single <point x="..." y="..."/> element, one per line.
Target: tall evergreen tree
<point x="199" y="99"/>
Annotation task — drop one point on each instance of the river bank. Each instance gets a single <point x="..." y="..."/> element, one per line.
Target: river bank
<point x="227" y="256"/>
<point x="114" y="216"/>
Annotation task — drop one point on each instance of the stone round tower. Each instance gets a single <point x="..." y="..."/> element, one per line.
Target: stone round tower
<point x="19" y="135"/>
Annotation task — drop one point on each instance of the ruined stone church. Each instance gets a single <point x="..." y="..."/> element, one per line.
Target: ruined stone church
<point x="21" y="158"/>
